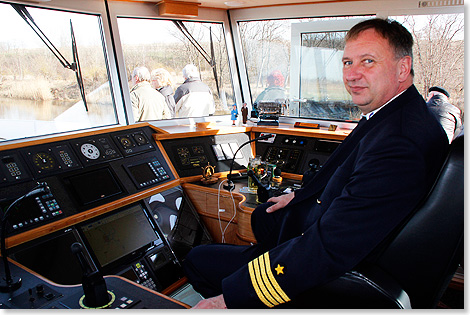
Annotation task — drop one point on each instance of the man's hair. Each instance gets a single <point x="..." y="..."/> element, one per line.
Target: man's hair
<point x="163" y="75"/>
<point x="142" y="74"/>
<point x="396" y="34"/>
<point x="190" y="71"/>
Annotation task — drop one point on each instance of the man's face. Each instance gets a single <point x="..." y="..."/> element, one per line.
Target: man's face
<point x="371" y="73"/>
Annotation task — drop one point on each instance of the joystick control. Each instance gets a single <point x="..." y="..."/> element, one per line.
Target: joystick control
<point x="94" y="286"/>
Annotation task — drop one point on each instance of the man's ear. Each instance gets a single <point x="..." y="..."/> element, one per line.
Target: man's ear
<point x="405" y="65"/>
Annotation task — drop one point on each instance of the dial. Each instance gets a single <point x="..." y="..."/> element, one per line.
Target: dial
<point x="90" y="151"/>
<point x="140" y="138"/>
<point x="126" y="142"/>
<point x="44" y="161"/>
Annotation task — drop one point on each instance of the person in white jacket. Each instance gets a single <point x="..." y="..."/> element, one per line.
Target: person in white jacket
<point x="193" y="98"/>
<point x="147" y="103"/>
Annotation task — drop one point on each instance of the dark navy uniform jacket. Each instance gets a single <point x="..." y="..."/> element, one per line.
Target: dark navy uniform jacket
<point x="367" y="187"/>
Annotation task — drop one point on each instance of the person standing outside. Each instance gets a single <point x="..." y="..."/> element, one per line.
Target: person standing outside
<point x="162" y="82"/>
<point x="364" y="191"/>
<point x="193" y="98"/>
<point x="147" y="103"/>
<point x="448" y="115"/>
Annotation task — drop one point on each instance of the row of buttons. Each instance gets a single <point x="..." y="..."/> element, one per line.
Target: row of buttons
<point x="52" y="208"/>
<point x="126" y="303"/>
<point x="159" y="172"/>
<point x="13" y="169"/>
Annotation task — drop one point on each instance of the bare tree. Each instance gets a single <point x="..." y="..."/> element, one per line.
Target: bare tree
<point x="439" y="54"/>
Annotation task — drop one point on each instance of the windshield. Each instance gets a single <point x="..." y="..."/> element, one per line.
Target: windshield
<point x="40" y="92"/>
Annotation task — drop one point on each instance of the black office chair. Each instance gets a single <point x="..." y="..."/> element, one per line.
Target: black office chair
<point x="417" y="265"/>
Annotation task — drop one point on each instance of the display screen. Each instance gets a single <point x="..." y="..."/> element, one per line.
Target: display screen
<point x="142" y="173"/>
<point x="96" y="185"/>
<point x="115" y="236"/>
<point x="52" y="258"/>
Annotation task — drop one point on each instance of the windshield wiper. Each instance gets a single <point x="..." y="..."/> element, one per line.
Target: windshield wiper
<point x="75" y="66"/>
<point x="209" y="58"/>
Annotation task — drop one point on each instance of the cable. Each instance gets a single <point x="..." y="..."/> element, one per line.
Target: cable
<point x="222" y="231"/>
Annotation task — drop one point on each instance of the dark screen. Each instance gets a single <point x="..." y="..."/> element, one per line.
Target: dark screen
<point x="142" y="173"/>
<point x="95" y="185"/>
<point x="52" y="259"/>
<point x="115" y="236"/>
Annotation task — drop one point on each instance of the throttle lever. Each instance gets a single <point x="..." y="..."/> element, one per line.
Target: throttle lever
<point x="94" y="286"/>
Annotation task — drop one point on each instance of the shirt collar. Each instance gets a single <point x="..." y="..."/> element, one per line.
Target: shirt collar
<point x="372" y="113"/>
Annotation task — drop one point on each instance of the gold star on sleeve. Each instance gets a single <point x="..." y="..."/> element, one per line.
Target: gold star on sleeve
<point x="279" y="269"/>
<point x="266" y="286"/>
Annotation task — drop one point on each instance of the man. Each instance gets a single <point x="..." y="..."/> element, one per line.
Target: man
<point x="193" y="98"/>
<point x="448" y="115"/>
<point x="368" y="186"/>
<point x="275" y="89"/>
<point x="147" y="103"/>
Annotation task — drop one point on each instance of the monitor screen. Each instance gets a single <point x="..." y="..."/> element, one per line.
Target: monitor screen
<point x="95" y="185"/>
<point x="51" y="257"/>
<point x="123" y="233"/>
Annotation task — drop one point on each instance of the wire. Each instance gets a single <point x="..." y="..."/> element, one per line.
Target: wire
<point x="222" y="231"/>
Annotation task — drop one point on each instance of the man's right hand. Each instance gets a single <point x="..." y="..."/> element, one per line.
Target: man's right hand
<point x="279" y="202"/>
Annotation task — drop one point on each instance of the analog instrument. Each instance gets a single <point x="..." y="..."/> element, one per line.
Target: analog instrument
<point x="90" y="151"/>
<point x="126" y="142"/>
<point x="44" y="161"/>
<point x="140" y="139"/>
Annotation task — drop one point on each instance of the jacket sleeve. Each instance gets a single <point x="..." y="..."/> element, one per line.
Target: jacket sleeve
<point x="361" y="204"/>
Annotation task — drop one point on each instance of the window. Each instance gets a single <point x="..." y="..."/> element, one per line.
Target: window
<point x="39" y="95"/>
<point x="171" y="45"/>
<point x="438" y="53"/>
<point x="298" y="62"/>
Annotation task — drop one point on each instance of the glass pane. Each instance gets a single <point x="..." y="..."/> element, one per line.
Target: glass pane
<point x="321" y="78"/>
<point x="438" y="53"/>
<point x="266" y="47"/>
<point x="38" y="94"/>
<point x="162" y="44"/>
<point x="270" y="51"/>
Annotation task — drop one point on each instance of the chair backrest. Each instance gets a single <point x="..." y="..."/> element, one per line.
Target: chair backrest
<point x="425" y="253"/>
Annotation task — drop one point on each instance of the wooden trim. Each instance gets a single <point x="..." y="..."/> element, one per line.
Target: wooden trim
<point x="186" y="131"/>
<point x="178" y="8"/>
<point x="175" y="286"/>
<point x="179" y="133"/>
<point x="167" y="159"/>
<point x="160" y="294"/>
<point x="76" y="134"/>
<point x="311" y="133"/>
<point x="85" y="215"/>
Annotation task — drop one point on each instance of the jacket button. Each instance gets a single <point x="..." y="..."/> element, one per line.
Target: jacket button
<point x="318" y="201"/>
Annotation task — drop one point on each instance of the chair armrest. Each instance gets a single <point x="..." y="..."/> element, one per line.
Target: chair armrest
<point x="368" y="287"/>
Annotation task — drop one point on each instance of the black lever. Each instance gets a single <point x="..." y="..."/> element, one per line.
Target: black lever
<point x="314" y="167"/>
<point x="94" y="286"/>
<point x="264" y="192"/>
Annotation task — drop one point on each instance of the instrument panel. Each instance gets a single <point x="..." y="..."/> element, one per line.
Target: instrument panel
<point x="81" y="173"/>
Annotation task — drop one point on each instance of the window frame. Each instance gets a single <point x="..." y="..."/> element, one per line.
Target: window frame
<point x="120" y="9"/>
<point x="381" y="9"/>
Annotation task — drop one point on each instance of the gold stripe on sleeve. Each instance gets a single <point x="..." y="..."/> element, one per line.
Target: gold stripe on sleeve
<point x="265" y="271"/>
<point x="274" y="282"/>
<point x="257" y="263"/>
<point x="255" y="285"/>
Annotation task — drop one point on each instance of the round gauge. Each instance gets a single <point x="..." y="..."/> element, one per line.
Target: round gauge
<point x="126" y="142"/>
<point x="44" y="161"/>
<point x="90" y="151"/>
<point x="140" y="139"/>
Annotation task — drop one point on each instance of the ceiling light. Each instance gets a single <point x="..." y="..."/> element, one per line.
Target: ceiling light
<point x="234" y="3"/>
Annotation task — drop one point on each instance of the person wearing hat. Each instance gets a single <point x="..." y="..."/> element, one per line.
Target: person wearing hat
<point x="448" y="115"/>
